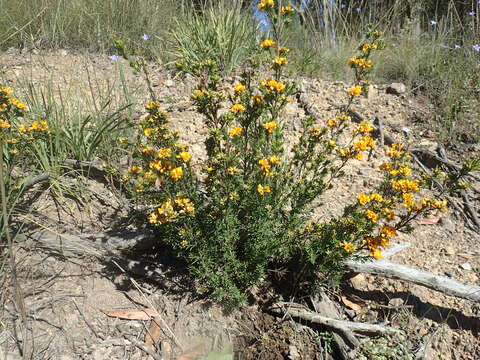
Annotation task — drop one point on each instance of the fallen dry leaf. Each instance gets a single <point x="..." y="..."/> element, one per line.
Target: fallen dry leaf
<point x="430" y="220"/>
<point x="152" y="336"/>
<point x="193" y="353"/>
<point x="144" y="314"/>
<point x="352" y="305"/>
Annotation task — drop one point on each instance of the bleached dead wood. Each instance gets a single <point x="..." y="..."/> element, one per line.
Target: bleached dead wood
<point x="416" y="276"/>
<point x="299" y="311"/>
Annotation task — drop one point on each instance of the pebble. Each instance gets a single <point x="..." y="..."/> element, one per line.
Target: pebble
<point x="466" y="266"/>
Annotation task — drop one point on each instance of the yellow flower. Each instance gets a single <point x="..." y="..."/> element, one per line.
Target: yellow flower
<point x="377" y="254"/>
<point x="343" y="117"/>
<point x="235" y="131"/>
<point x="270" y="126"/>
<point x="331" y="123"/>
<point x="176" y="174"/>
<point x="6" y="90"/>
<point x="390" y="215"/>
<point x="138" y="188"/>
<point x="385" y="167"/>
<point x="273" y="85"/>
<point x="363" y="199"/>
<point x="405" y="171"/>
<point x="4" y="124"/>
<point x="279" y="61"/>
<point x="372" y="215"/>
<point x="348" y="247"/>
<point x="332" y="143"/>
<point x="135" y="169"/>
<point x="376" y="197"/>
<point x="257" y="99"/>
<point x="148" y="151"/>
<point x="283" y="50"/>
<point x="275" y="160"/>
<point x="365" y="47"/>
<point x="265" y="3"/>
<point x="265" y="44"/>
<point x="147" y="132"/>
<point x="263" y="189"/>
<point x="355" y="90"/>
<point x="286" y="9"/>
<point x="405" y="185"/>
<point x="364" y="127"/>
<point x="122" y="140"/>
<point x="164" y="153"/>
<point x="237" y="108"/>
<point x="197" y="94"/>
<point x="232" y="170"/>
<point x="239" y="87"/>
<point x="388" y="231"/>
<point x="152" y="105"/>
<point x="265" y="166"/>
<point x="185" y="156"/>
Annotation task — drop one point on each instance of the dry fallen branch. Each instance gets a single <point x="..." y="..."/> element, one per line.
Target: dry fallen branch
<point x="416" y="276"/>
<point x="299" y="311"/>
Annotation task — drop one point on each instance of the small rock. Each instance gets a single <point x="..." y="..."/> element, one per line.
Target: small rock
<point x="63" y="52"/>
<point x="450" y="250"/>
<point x="372" y="93"/>
<point x="169" y="83"/>
<point x="293" y="353"/>
<point x="466" y="266"/>
<point x="396" y="89"/>
<point x="358" y="281"/>
<point x="446" y="222"/>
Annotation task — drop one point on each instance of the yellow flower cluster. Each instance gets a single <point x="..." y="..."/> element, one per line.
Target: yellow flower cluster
<point x="279" y="61"/>
<point x="286" y="10"/>
<point x="273" y="85"/>
<point x="236" y="108"/>
<point x="235" y="131"/>
<point x="170" y="209"/>
<point x="265" y="4"/>
<point x="405" y="185"/>
<point x="350" y="153"/>
<point x="364" y="127"/>
<point x="270" y="126"/>
<point x="264" y="164"/>
<point x="265" y="44"/>
<point x="365" y="47"/>
<point x="239" y="87"/>
<point x="364" y="143"/>
<point x="359" y="62"/>
<point x="354" y="90"/>
<point x="262" y="190"/>
<point x="395" y="151"/>
<point x="366" y="198"/>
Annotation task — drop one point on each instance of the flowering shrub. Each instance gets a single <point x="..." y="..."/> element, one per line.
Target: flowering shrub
<point x="249" y="204"/>
<point x="16" y="139"/>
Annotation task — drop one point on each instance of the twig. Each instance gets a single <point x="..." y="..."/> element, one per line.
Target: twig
<point x="141" y="346"/>
<point x="416" y="276"/>
<point x="86" y="322"/>
<point x="378" y="122"/>
<point x="297" y="310"/>
<point x="469" y="208"/>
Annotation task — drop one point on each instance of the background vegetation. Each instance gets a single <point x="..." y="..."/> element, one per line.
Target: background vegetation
<point x="434" y="43"/>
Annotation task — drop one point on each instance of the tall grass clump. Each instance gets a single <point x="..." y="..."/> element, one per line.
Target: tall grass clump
<point x="79" y="24"/>
<point x="222" y="31"/>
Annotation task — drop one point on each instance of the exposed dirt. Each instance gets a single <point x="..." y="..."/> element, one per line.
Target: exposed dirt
<point x="65" y="295"/>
